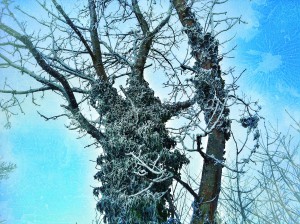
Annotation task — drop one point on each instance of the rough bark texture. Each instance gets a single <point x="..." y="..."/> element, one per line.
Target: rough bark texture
<point x="205" y="51"/>
<point x="210" y="181"/>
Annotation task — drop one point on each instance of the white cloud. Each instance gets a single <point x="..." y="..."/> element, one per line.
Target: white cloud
<point x="292" y="91"/>
<point x="251" y="17"/>
<point x="268" y="63"/>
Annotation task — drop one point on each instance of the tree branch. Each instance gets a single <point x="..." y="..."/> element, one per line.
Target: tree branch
<point x="32" y="74"/>
<point x="95" y="41"/>
<point x="72" y="25"/>
<point x="44" y="65"/>
<point x="42" y="89"/>
<point x="66" y="91"/>
<point x="143" y="23"/>
<point x="146" y="43"/>
<point x="96" y="55"/>
<point x="187" y="187"/>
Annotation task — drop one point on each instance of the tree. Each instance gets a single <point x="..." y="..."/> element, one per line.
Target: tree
<point x="269" y="193"/>
<point x="279" y="176"/>
<point x="6" y="169"/>
<point x="97" y="58"/>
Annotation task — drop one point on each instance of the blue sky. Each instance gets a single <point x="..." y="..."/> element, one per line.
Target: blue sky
<point x="52" y="181"/>
<point x="272" y="57"/>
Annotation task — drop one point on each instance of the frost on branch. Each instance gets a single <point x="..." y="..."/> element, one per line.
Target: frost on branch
<point x="139" y="155"/>
<point x="250" y="122"/>
<point x="211" y="94"/>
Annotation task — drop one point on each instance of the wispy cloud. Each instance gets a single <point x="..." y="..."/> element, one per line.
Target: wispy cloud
<point x="268" y="63"/>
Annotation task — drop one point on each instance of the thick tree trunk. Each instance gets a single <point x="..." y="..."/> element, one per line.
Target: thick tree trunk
<point x="205" y="209"/>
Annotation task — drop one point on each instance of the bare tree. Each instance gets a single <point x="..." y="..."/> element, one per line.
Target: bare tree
<point x="99" y="58"/>
<point x="279" y="176"/>
<point x="269" y="193"/>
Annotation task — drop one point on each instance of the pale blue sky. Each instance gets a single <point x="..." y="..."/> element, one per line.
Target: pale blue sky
<point x="51" y="184"/>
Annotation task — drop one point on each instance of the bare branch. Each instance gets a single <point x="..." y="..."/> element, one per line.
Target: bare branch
<point x="42" y="89"/>
<point x="95" y="41"/>
<point x="143" y="24"/>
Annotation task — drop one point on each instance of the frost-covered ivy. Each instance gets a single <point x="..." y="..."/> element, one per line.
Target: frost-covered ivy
<point x="134" y="125"/>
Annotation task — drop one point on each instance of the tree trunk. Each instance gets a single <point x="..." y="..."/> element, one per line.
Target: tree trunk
<point x="205" y="51"/>
<point x="205" y="209"/>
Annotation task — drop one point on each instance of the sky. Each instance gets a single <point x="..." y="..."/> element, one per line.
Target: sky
<point x="54" y="175"/>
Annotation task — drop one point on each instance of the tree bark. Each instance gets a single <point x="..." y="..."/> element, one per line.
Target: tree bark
<point x="205" y="51"/>
<point x="210" y="185"/>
